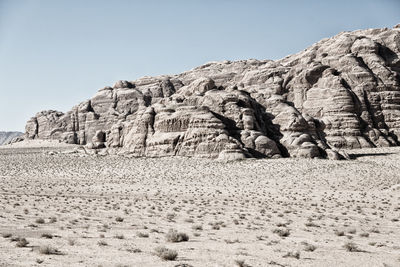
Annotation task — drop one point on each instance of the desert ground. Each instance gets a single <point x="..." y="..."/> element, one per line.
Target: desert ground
<point x="60" y="208"/>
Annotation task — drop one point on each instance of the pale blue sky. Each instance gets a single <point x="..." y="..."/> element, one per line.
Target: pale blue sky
<point x="55" y="54"/>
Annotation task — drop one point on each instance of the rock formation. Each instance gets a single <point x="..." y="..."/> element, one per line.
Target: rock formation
<point x="7" y="137"/>
<point x="342" y="92"/>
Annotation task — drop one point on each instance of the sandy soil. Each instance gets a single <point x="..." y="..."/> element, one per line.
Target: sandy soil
<point x="90" y="210"/>
<point x="36" y="143"/>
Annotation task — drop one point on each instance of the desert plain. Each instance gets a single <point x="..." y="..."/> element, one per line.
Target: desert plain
<point x="62" y="207"/>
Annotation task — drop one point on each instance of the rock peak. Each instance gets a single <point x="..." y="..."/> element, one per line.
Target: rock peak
<point x="342" y="92"/>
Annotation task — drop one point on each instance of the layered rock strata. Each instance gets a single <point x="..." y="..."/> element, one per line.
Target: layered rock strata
<point x="342" y="92"/>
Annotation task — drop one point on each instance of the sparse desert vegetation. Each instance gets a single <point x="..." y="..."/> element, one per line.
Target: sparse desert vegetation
<point x="91" y="210"/>
<point x="166" y="253"/>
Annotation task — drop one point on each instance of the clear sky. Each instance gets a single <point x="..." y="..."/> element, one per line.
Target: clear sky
<point x="55" y="54"/>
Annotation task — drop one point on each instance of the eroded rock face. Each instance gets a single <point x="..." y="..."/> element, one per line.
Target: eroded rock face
<point x="342" y="92"/>
<point x="7" y="137"/>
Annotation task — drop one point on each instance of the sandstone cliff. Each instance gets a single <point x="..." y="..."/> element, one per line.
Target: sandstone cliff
<point x="342" y="92"/>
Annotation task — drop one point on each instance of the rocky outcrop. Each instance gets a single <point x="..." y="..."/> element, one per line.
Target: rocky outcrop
<point x="7" y="137"/>
<point x="342" y="92"/>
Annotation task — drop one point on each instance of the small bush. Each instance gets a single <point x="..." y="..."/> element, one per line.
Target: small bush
<point x="281" y="232"/>
<point x="311" y="224"/>
<point x="309" y="247"/>
<point x="281" y="224"/>
<point x="166" y="254"/>
<point x="6" y="235"/>
<point x="197" y="227"/>
<point x="47" y="250"/>
<point x="339" y="233"/>
<point x="215" y="227"/>
<point x="14" y="238"/>
<point x="47" y="235"/>
<point x="375" y="230"/>
<point x="40" y="221"/>
<point x="119" y="236"/>
<point x="241" y="263"/>
<point x="71" y="242"/>
<point x="174" y="236"/>
<point x="102" y="243"/>
<point x="365" y="234"/>
<point x="232" y="241"/>
<point x="119" y="219"/>
<point x="352" y="231"/>
<point x="21" y="243"/>
<point x="351" y="247"/>
<point x="294" y="254"/>
<point x="134" y="250"/>
<point x="143" y="235"/>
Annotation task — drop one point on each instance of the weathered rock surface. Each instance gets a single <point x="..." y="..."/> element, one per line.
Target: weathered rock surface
<point x="7" y="137"/>
<point x="342" y="92"/>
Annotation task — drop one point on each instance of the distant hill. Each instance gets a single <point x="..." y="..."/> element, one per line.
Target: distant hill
<point x="6" y="137"/>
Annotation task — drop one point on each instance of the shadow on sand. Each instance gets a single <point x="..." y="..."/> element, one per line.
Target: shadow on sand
<point x="355" y="156"/>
